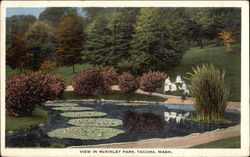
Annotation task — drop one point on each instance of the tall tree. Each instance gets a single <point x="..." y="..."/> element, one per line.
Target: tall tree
<point x="97" y="46"/>
<point x="70" y="39"/>
<point x="41" y="42"/>
<point x="109" y="35"/>
<point x="55" y="14"/>
<point x="17" y="56"/>
<point x="159" y="40"/>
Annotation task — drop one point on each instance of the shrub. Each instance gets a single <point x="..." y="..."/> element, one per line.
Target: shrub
<point x="150" y="81"/>
<point x="127" y="83"/>
<point x="24" y="92"/>
<point x="109" y="79"/>
<point x="146" y="122"/>
<point x="227" y="39"/>
<point x="110" y="76"/>
<point x="208" y="88"/>
<point x="56" y="84"/>
<point x="47" y="65"/>
<point x="88" y="82"/>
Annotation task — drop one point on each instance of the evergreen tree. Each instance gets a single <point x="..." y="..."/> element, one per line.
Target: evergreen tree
<point x="159" y="40"/>
<point x="41" y="43"/>
<point x="70" y="39"/>
<point x="109" y="36"/>
<point x="17" y="56"/>
<point x="98" y="43"/>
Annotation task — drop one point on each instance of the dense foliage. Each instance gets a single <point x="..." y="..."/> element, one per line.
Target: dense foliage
<point x="134" y="40"/>
<point x="26" y="91"/>
<point x="70" y="39"/>
<point x="17" y="56"/>
<point x="41" y="43"/>
<point x="150" y="81"/>
<point x="127" y="83"/>
<point x="94" y="81"/>
<point x="146" y="122"/>
<point x="207" y="86"/>
<point x="56" y="85"/>
<point x="158" y="43"/>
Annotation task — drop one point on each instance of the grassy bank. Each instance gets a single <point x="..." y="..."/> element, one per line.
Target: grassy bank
<point x="15" y="124"/>
<point x="114" y="95"/>
<point x="233" y="142"/>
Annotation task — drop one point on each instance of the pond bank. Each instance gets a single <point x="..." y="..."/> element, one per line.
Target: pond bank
<point x="171" y="99"/>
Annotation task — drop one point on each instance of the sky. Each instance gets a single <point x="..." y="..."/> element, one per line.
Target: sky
<point x="28" y="11"/>
<point x="24" y="11"/>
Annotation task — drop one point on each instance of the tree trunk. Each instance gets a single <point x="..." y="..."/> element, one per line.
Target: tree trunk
<point x="73" y="68"/>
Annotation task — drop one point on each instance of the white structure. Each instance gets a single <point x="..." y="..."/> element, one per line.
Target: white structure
<point x="167" y="85"/>
<point x="173" y="87"/>
<point x="178" y="79"/>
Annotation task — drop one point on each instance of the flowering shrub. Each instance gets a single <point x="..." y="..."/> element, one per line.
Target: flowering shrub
<point x="109" y="79"/>
<point x="150" y="81"/>
<point x="227" y="39"/>
<point x="24" y="92"/>
<point x="56" y="84"/>
<point x="127" y="83"/>
<point x="47" y="65"/>
<point x="110" y="76"/>
<point x="88" y="82"/>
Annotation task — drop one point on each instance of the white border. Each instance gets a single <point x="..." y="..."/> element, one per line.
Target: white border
<point x="244" y="151"/>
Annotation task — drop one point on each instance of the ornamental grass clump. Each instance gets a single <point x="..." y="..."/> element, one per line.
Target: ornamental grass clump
<point x="127" y="83"/>
<point x="208" y="88"/>
<point x="150" y="81"/>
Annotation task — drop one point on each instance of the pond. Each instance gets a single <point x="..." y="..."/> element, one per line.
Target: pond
<point x="92" y="123"/>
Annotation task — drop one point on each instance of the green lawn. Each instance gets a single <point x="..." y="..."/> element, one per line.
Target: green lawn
<point x="115" y="95"/>
<point x="216" y="55"/>
<point x="233" y="142"/>
<point x="14" y="124"/>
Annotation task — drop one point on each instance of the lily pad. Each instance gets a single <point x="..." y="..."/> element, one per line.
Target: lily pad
<point x="85" y="133"/>
<point x="61" y="104"/>
<point x="95" y="122"/>
<point x="72" y="108"/>
<point x="83" y="114"/>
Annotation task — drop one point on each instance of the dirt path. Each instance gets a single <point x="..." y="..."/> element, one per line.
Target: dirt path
<point x="171" y="99"/>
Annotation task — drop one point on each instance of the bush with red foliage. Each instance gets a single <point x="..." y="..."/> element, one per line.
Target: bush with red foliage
<point x="109" y="79"/>
<point x="146" y="122"/>
<point x="24" y="92"/>
<point x="56" y="85"/>
<point x="150" y="81"/>
<point x="110" y="76"/>
<point x="88" y="82"/>
<point x="127" y="83"/>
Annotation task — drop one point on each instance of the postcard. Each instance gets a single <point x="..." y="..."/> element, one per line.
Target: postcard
<point x="125" y="78"/>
